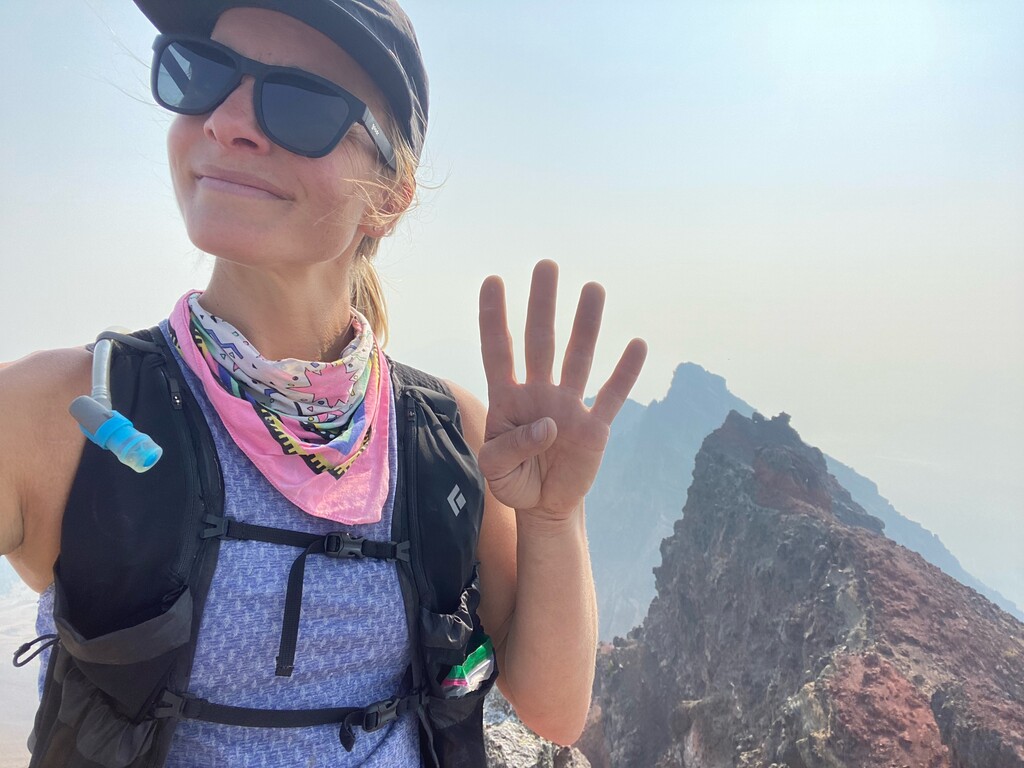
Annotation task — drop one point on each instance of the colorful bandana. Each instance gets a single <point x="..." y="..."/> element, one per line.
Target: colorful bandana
<point x="305" y="425"/>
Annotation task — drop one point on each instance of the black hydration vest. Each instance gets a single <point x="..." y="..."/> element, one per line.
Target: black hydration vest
<point x="138" y="553"/>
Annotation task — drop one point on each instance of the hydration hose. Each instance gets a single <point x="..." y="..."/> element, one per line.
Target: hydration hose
<point x="103" y="425"/>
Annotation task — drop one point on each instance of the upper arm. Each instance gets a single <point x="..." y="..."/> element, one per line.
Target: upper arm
<point x="39" y="449"/>
<point x="11" y="524"/>
<point x="496" y="550"/>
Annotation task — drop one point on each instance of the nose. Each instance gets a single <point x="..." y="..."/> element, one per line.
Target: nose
<point x="233" y="123"/>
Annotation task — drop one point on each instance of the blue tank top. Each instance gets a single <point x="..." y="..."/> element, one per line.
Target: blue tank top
<point x="353" y="644"/>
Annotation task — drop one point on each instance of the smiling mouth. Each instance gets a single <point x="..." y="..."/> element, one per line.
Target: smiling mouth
<point x="237" y="182"/>
<point x="215" y="184"/>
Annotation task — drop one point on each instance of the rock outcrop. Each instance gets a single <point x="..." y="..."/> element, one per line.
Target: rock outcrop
<point x="787" y="631"/>
<point x="641" y="486"/>
<point x="510" y="744"/>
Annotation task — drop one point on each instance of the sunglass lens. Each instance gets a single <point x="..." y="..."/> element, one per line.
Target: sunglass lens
<point x="303" y="115"/>
<point x="193" y="77"/>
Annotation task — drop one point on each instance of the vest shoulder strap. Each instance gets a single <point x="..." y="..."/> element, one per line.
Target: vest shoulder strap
<point x="439" y="510"/>
<point x="405" y="376"/>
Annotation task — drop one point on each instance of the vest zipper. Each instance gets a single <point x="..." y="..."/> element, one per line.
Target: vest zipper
<point x="401" y="530"/>
<point x="411" y="581"/>
<point x="194" y="489"/>
<point x="412" y="513"/>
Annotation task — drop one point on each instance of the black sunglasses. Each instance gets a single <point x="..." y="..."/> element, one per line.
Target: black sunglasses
<point x="297" y="110"/>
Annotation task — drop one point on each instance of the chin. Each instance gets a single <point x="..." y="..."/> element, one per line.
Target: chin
<point x="233" y="239"/>
<point x="243" y="245"/>
<point x="253" y="241"/>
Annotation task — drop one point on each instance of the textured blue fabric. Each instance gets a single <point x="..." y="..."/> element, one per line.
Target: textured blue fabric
<point x="353" y="645"/>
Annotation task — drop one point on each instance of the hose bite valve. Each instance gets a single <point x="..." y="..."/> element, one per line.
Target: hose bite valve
<point x="106" y="427"/>
<point x="114" y="432"/>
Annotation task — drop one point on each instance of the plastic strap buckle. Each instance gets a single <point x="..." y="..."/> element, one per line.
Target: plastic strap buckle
<point x="342" y="544"/>
<point x="369" y="718"/>
<point x="218" y="527"/>
<point x="378" y="715"/>
<point x="402" y="551"/>
<point x="179" y="707"/>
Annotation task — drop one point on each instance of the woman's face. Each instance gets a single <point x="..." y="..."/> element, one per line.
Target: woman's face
<point x="247" y="200"/>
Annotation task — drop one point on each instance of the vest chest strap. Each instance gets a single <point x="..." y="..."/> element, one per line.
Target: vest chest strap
<point x="338" y="544"/>
<point x="370" y="718"/>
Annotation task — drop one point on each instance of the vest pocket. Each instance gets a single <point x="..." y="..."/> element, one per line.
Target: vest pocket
<point x="448" y="634"/>
<point x="456" y="647"/>
<point x="108" y="684"/>
<point x="457" y="725"/>
<point x="102" y="735"/>
<point x="130" y="665"/>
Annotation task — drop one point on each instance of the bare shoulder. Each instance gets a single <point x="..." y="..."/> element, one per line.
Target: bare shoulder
<point x="474" y="414"/>
<point x="54" y="366"/>
<point x="39" y="451"/>
<point x="33" y="386"/>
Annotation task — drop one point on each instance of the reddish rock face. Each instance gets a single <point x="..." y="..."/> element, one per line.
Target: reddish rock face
<point x="788" y="631"/>
<point x="882" y="716"/>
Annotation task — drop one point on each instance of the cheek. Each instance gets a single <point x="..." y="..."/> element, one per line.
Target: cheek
<point x="180" y="139"/>
<point x="340" y="188"/>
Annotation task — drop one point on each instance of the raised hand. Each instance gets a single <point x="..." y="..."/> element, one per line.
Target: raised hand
<point x="542" y="445"/>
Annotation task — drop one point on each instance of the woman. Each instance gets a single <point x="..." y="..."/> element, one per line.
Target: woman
<point x="291" y="327"/>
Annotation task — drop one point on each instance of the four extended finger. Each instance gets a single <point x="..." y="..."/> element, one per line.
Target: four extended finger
<point x="615" y="391"/>
<point x="579" y="353"/>
<point x="540" y="322"/>
<point x="495" y="339"/>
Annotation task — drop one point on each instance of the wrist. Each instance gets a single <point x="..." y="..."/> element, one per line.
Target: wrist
<point x="541" y="523"/>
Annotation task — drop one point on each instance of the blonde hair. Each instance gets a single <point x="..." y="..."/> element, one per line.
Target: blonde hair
<point x="398" y="186"/>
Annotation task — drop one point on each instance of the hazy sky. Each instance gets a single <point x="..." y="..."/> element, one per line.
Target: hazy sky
<point x="822" y="202"/>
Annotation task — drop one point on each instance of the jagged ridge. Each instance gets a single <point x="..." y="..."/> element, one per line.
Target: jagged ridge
<point x="642" y="484"/>
<point x="786" y="630"/>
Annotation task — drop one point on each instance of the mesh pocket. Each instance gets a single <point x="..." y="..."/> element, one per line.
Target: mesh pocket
<point x="460" y="663"/>
<point x="130" y="665"/>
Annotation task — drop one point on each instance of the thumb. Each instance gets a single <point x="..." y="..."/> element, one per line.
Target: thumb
<point x="503" y="453"/>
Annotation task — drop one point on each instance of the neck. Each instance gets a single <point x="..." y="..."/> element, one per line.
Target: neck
<point x="304" y="313"/>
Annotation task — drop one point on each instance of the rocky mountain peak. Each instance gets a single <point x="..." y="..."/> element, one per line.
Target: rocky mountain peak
<point x="789" y="475"/>
<point x="694" y="388"/>
<point x="787" y="630"/>
<point x="688" y="375"/>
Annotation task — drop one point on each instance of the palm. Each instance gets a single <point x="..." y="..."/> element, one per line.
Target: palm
<point x="552" y="474"/>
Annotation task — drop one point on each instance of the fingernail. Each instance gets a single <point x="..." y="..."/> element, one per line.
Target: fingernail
<point x="540" y="430"/>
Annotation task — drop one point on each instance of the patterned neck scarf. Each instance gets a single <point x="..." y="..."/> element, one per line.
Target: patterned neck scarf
<point x="305" y="425"/>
